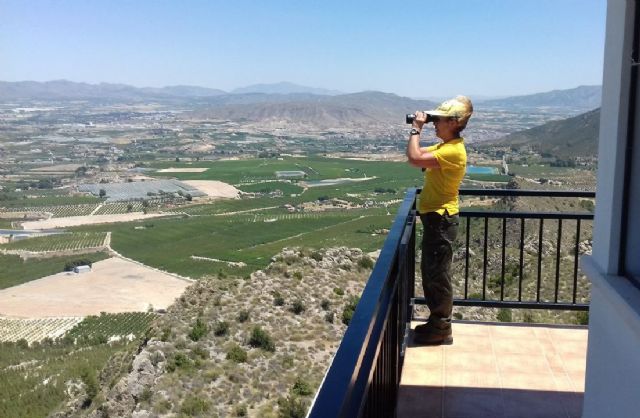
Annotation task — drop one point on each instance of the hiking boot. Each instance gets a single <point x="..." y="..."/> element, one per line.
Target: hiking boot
<point x="425" y="328"/>
<point x="433" y="336"/>
<point x="433" y="325"/>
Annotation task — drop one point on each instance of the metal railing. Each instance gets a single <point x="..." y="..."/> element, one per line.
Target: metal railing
<point x="363" y="378"/>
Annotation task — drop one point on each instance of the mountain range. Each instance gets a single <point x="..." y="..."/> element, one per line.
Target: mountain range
<point x="573" y="137"/>
<point x="587" y="97"/>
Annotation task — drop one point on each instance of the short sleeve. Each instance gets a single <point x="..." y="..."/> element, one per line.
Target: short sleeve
<point x="450" y="157"/>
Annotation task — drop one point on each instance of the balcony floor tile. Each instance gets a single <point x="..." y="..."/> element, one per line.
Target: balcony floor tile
<point x="496" y="370"/>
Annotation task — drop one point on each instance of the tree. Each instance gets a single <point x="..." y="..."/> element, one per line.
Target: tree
<point x="102" y="193"/>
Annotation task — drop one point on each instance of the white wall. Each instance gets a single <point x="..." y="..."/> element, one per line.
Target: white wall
<point x="612" y="387"/>
<point x="613" y="357"/>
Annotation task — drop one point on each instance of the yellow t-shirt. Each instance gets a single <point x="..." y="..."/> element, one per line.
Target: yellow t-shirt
<point x="440" y="190"/>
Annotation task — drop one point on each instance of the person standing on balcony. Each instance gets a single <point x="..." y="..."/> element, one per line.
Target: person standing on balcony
<point x="444" y="167"/>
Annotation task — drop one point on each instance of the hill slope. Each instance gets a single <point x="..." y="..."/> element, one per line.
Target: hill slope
<point x="586" y="97"/>
<point x="573" y="137"/>
<point x="316" y="112"/>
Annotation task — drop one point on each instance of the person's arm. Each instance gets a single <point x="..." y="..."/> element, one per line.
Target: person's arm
<point x="417" y="156"/>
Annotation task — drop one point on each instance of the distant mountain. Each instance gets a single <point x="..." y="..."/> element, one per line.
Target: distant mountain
<point x="584" y="97"/>
<point x="185" y="91"/>
<point x="283" y="87"/>
<point x="320" y="112"/>
<point x="573" y="137"/>
<point x="69" y="90"/>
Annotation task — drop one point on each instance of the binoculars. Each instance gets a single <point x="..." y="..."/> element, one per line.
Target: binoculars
<point x="410" y="117"/>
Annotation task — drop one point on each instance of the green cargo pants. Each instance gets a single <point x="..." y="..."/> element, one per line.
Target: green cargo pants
<point x="437" y="254"/>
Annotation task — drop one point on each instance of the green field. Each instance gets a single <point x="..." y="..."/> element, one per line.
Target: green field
<point x="317" y="168"/>
<point x="250" y="238"/>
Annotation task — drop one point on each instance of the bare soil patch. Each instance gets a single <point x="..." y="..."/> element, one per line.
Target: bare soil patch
<point x="89" y="220"/>
<point x="214" y="188"/>
<point x="182" y="170"/>
<point x="113" y="285"/>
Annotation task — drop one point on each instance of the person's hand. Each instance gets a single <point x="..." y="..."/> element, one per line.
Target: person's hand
<point x="419" y="120"/>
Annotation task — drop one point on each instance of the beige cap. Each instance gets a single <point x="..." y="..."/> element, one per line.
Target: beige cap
<point x="459" y="107"/>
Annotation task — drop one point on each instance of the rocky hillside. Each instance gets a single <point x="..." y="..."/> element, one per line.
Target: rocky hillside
<point x="257" y="346"/>
<point x="583" y="97"/>
<point x="567" y="138"/>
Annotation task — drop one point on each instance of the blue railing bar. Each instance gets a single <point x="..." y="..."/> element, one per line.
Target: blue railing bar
<point x="525" y="215"/>
<point x="484" y="254"/>
<point x="560" y="306"/>
<point x="466" y="261"/>
<point x="335" y="397"/>
<point x="504" y="248"/>
<point x="558" y="251"/>
<point x="523" y="193"/>
<point x="575" y="261"/>
<point x="521" y="270"/>
<point x="539" y="282"/>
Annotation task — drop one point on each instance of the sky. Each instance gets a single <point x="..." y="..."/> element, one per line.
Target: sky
<point x="418" y="49"/>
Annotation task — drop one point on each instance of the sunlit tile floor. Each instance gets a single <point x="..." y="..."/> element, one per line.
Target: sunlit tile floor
<point x="496" y="370"/>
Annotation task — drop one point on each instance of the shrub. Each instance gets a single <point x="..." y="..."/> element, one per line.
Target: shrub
<point x="298" y="307"/>
<point x="582" y="317"/>
<point x="504" y="315"/>
<point x="146" y="395"/>
<point x="199" y="353"/>
<point x="365" y="263"/>
<point x="278" y="300"/>
<point x="199" y="330"/>
<point x="194" y="405"/>
<point x="338" y="291"/>
<point x="301" y="388"/>
<point x="527" y="317"/>
<point x="221" y="328"/>
<point x="292" y="407"/>
<point x="261" y="339"/>
<point x="316" y="256"/>
<point x="163" y="406"/>
<point x="329" y="317"/>
<point x="240" y="411"/>
<point x="178" y="361"/>
<point x="88" y="377"/>
<point x="325" y="304"/>
<point x="243" y="316"/>
<point x="297" y="275"/>
<point x="237" y="354"/>
<point x="348" y="311"/>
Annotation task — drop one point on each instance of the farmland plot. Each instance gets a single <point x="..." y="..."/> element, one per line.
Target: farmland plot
<point x="112" y="326"/>
<point x="61" y="211"/>
<point x="59" y="242"/>
<point x="119" y="207"/>
<point x="35" y="330"/>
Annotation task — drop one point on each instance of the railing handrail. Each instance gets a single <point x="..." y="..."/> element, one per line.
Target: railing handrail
<point x="525" y="193"/>
<point x="342" y="380"/>
<point x="526" y="215"/>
